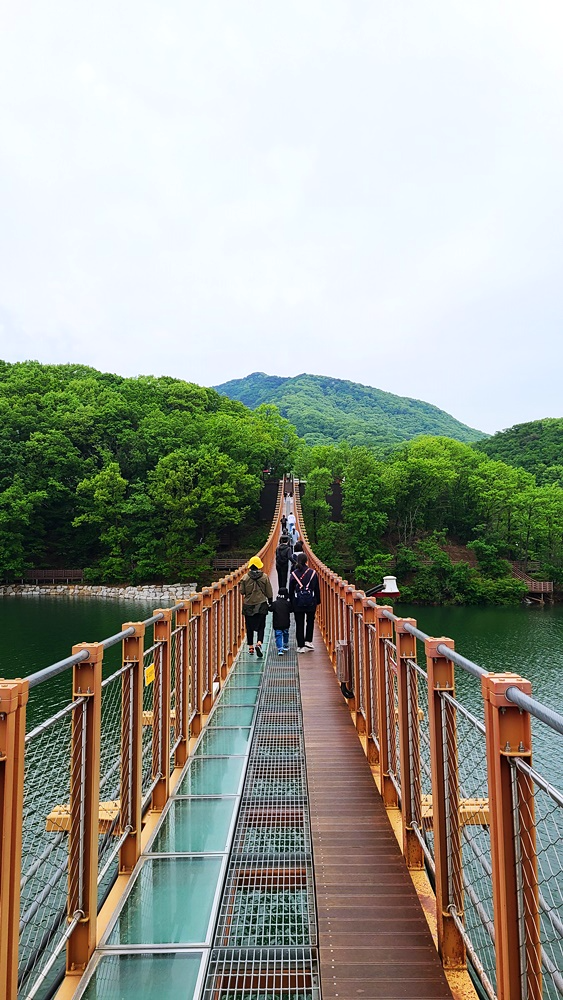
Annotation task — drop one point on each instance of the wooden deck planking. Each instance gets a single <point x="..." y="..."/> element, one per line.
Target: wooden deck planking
<point x="374" y="941"/>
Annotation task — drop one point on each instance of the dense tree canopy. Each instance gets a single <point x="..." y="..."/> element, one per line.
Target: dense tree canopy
<point x="130" y="478"/>
<point x="536" y="446"/>
<point x="447" y="518"/>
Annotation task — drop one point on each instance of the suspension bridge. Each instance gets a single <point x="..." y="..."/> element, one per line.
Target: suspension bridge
<point x="199" y="823"/>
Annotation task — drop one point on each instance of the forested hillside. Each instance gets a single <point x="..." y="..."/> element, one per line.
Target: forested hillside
<point x="132" y="479"/>
<point x="536" y="446"/>
<point x="446" y="518"/>
<point x="328" y="410"/>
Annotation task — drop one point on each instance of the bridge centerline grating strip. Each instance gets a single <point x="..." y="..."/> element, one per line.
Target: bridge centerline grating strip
<point x="265" y="942"/>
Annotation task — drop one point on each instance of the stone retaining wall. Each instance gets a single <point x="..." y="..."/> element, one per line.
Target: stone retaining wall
<point x="152" y="592"/>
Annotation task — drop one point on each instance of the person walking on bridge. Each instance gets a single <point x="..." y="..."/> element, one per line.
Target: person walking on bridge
<point x="281" y="609"/>
<point x="257" y="594"/>
<point x="305" y="597"/>
<point x="283" y="559"/>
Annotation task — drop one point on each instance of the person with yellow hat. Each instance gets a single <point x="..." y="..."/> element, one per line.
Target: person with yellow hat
<point x="257" y="593"/>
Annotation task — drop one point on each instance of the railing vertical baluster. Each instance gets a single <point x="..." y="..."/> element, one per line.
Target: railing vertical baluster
<point x="348" y="612"/>
<point x="84" y="807"/>
<point x="215" y="638"/>
<point x="445" y="803"/>
<point x="182" y="686"/>
<point x="131" y="780"/>
<point x="515" y="890"/>
<point x="409" y="743"/>
<point x="206" y="612"/>
<point x="355" y="603"/>
<point x="229" y="638"/>
<point x="224" y="667"/>
<point x="327" y="611"/>
<point x="384" y="632"/>
<point x="196" y="663"/>
<point x="13" y="700"/>
<point x="336" y="632"/>
<point x="340" y="623"/>
<point x="329" y="628"/>
<point x="161" y="711"/>
<point x="370" y="675"/>
<point x="239" y="615"/>
<point x="324" y="610"/>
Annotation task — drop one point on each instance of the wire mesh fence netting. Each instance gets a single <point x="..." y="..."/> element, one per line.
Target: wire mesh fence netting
<point x="45" y="853"/>
<point x="538" y="826"/>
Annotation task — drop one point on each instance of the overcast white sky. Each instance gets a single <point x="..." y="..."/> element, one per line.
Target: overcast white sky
<point x="369" y="189"/>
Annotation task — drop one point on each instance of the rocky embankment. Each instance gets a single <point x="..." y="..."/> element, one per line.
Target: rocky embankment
<point x="150" y="592"/>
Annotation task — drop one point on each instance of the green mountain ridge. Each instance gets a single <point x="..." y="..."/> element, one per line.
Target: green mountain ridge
<point x="326" y="410"/>
<point x="536" y="446"/>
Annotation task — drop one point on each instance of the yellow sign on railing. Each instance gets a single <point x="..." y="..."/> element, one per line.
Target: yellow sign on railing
<point x="149" y="674"/>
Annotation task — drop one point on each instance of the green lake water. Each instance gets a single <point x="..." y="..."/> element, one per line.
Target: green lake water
<point x="527" y="640"/>
<point x="38" y="631"/>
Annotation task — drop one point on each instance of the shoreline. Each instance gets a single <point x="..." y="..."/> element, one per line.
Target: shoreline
<point x="148" y="592"/>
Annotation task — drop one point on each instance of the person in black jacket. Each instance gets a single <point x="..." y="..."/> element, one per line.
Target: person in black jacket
<point x="283" y="558"/>
<point x="305" y="597"/>
<point x="281" y="609"/>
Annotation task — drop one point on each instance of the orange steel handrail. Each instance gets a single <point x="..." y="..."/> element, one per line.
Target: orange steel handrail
<point x="201" y="669"/>
<point x="346" y="614"/>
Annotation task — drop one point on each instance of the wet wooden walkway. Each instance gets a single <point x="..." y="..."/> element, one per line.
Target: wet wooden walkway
<point x="373" y="937"/>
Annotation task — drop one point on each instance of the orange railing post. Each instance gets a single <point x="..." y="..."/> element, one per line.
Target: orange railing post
<point x="215" y="638"/>
<point x="356" y="627"/>
<point x="230" y="622"/>
<point x="195" y="664"/>
<point x="445" y="803"/>
<point x="13" y="700"/>
<point x="409" y="739"/>
<point x="349" y="630"/>
<point x="132" y="746"/>
<point x="161" y="710"/>
<point x="223" y="661"/>
<point x="182" y="723"/>
<point x="325" y="611"/>
<point x="84" y="806"/>
<point x="513" y="841"/>
<point x="207" y="642"/>
<point x="372" y="750"/>
<point x="384" y="633"/>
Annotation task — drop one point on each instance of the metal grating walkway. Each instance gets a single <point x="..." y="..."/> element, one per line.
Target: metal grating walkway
<point x="266" y="936"/>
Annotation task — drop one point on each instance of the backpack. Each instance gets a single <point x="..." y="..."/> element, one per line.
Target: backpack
<point x="304" y="597"/>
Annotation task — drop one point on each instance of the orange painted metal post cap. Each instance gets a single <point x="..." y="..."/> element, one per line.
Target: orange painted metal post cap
<point x="431" y="646"/>
<point x="495" y="686"/>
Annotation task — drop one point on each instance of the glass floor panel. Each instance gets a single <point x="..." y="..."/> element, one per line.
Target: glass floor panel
<point x="195" y="826"/>
<point x="223" y="743"/>
<point x="170" y="903"/>
<point x="246" y="681"/>
<point x="239" y="696"/>
<point x="135" y="977"/>
<point x="244" y="669"/>
<point x="225" y="715"/>
<point x="212" y="776"/>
